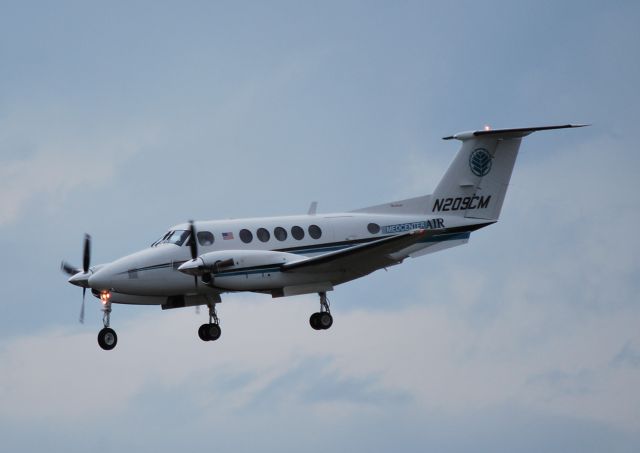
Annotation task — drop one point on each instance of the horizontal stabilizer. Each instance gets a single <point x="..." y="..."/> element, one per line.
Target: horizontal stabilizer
<point x="509" y="133"/>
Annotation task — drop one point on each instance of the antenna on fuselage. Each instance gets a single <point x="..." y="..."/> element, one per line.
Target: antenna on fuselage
<point x="312" y="208"/>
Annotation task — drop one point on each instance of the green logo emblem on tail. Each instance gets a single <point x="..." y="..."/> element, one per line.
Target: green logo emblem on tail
<point x="480" y="162"/>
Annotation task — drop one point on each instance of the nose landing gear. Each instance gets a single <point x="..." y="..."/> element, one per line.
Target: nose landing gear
<point x="211" y="331"/>
<point x="322" y="320"/>
<point x="107" y="338"/>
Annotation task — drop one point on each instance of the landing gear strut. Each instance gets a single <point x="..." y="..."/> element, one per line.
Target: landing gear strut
<point x="211" y="331"/>
<point x="322" y="320"/>
<point x="107" y="338"/>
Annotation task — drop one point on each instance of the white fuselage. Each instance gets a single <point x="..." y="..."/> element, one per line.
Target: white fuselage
<point x="152" y="272"/>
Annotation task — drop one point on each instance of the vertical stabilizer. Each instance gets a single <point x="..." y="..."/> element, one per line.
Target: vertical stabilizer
<point x="475" y="184"/>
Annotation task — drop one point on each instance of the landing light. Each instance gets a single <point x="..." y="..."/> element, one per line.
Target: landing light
<point x="487" y="127"/>
<point x="105" y="296"/>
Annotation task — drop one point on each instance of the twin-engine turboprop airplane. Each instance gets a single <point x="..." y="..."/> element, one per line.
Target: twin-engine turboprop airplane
<point x="195" y="263"/>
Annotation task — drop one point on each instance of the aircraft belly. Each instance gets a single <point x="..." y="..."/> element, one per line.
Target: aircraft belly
<point x="128" y="299"/>
<point x="269" y="280"/>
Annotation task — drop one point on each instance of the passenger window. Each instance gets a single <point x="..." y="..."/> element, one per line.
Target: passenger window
<point x="315" y="232"/>
<point x="205" y="238"/>
<point x="280" y="233"/>
<point x="373" y="228"/>
<point x="297" y="232"/>
<point x="263" y="234"/>
<point x="246" y="236"/>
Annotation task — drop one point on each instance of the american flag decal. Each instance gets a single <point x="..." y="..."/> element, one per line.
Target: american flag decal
<point x="227" y="236"/>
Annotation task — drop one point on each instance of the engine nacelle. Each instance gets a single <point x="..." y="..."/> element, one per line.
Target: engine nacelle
<point x="245" y="259"/>
<point x="245" y="270"/>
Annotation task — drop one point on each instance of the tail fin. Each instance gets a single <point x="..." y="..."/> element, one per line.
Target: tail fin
<point x="476" y="182"/>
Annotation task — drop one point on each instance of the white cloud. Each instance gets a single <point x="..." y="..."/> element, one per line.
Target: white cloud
<point x="438" y="361"/>
<point x="47" y="156"/>
<point x="49" y="177"/>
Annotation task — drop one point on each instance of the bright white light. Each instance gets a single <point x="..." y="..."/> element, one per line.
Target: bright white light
<point x="105" y="296"/>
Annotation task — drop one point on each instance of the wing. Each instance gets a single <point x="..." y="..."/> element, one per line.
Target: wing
<point x="360" y="259"/>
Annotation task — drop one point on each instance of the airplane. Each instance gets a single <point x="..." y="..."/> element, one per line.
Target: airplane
<point x="195" y="263"/>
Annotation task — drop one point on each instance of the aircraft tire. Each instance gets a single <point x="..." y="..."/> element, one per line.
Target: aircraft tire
<point x="314" y="321"/>
<point x="325" y="320"/>
<point x="107" y="339"/>
<point x="213" y="331"/>
<point x="202" y="333"/>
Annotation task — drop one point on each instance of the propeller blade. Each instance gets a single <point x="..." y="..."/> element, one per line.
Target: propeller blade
<point x="68" y="268"/>
<point x="84" y="291"/>
<point x="192" y="243"/>
<point x="86" y="255"/>
<point x="193" y="246"/>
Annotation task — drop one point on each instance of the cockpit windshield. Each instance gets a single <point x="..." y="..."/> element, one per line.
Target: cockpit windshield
<point x="176" y="237"/>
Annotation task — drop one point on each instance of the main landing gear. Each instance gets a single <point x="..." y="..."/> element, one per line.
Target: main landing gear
<point x="322" y="320"/>
<point x="211" y="331"/>
<point x="107" y="338"/>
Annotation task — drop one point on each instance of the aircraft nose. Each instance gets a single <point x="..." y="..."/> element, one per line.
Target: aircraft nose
<point x="103" y="279"/>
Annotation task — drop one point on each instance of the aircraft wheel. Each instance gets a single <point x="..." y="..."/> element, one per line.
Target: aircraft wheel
<point x="209" y="332"/>
<point x="314" y="321"/>
<point x="325" y="320"/>
<point x="107" y="339"/>
<point x="202" y="332"/>
<point x="214" y="332"/>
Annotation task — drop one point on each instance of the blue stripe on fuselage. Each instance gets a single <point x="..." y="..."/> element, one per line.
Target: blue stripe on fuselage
<point x="249" y="271"/>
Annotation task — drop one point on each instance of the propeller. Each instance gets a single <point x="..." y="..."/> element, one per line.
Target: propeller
<point x="68" y="269"/>
<point x="80" y="280"/>
<point x="86" y="260"/>
<point x="86" y="253"/>
<point x="81" y="318"/>
<point x="193" y="247"/>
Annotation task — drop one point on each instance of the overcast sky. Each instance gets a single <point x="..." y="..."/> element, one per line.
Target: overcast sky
<point x="121" y="119"/>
